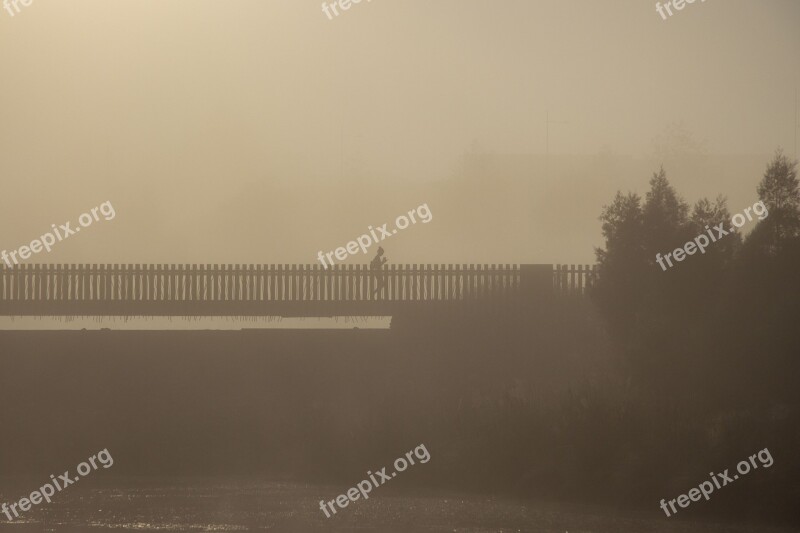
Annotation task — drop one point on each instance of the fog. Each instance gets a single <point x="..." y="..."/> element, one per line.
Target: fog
<point x="263" y="132"/>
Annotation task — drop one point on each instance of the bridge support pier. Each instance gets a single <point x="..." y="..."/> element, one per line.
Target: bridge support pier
<point x="536" y="281"/>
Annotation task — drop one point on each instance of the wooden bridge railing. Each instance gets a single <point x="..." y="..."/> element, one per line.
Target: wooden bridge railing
<point x="279" y="283"/>
<point x="572" y="279"/>
<point x="254" y="282"/>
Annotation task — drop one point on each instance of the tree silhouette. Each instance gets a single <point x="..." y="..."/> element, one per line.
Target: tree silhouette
<point x="686" y="324"/>
<point x="705" y="216"/>
<point x="780" y="191"/>
<point x="664" y="216"/>
<point x="644" y="305"/>
<point x="622" y="264"/>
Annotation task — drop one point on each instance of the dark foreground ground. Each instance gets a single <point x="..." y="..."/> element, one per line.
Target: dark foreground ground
<point x="302" y="415"/>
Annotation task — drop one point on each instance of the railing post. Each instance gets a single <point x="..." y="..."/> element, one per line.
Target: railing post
<point x="34" y="285"/>
<point x="423" y="289"/>
<point x="434" y="275"/>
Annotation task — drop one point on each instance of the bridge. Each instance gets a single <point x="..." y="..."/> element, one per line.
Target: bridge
<point x="276" y="290"/>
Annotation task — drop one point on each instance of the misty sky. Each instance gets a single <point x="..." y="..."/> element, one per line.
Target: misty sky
<point x="260" y="131"/>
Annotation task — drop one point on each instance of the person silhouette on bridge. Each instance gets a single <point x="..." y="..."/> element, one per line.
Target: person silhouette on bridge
<point x="377" y="266"/>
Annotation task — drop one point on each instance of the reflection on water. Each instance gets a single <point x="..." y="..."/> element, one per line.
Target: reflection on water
<point x="28" y="323"/>
<point x="196" y="505"/>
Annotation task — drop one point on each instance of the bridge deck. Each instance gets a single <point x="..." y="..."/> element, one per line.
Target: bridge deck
<point x="286" y="290"/>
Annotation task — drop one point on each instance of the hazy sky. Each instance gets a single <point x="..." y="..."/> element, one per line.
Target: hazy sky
<point x="239" y="131"/>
